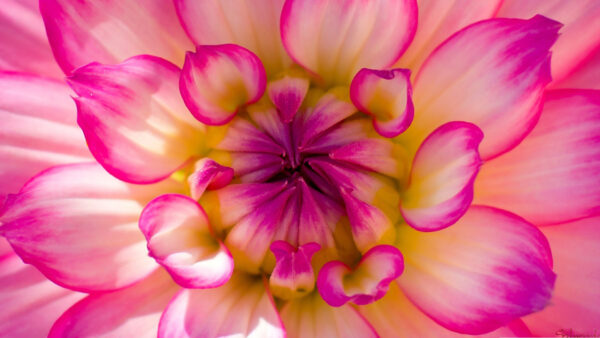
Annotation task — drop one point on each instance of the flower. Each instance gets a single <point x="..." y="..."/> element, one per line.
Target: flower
<point x="310" y="168"/>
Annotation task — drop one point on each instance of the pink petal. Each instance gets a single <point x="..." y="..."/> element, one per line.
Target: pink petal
<point x="394" y="313"/>
<point x="440" y="19"/>
<point x="241" y="307"/>
<point x="574" y="305"/>
<point x="131" y="312"/>
<point x="30" y="302"/>
<point x="496" y="85"/>
<point x="385" y="94"/>
<point x="335" y="39"/>
<point x="366" y="283"/>
<point x="370" y="226"/>
<point x="287" y="95"/>
<point x="235" y="201"/>
<point x="310" y="316"/>
<point x="440" y="188"/>
<point x="250" y="24"/>
<point x="488" y="269"/>
<point x="38" y="128"/>
<point x="208" y="174"/>
<point x="81" y="32"/>
<point x="155" y="133"/>
<point x="553" y="176"/>
<point x="24" y="43"/>
<point x="217" y="80"/>
<point x="577" y="39"/>
<point x="180" y="239"/>
<point x="373" y="154"/>
<point x="242" y="136"/>
<point x="293" y="275"/>
<point x="586" y="75"/>
<point x="78" y="226"/>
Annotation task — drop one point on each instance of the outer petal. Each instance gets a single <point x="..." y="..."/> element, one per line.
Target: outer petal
<point x="78" y="225"/>
<point x="554" y="175"/>
<point x="385" y="94"/>
<point x="335" y="39"/>
<point x="180" y="239"/>
<point x="24" y="43"/>
<point x="134" y="311"/>
<point x="586" y="75"/>
<point x="110" y="31"/>
<point x="31" y="303"/>
<point x="577" y="39"/>
<point x="491" y="73"/>
<point x="217" y="80"/>
<point x="250" y="24"/>
<point x="440" y="188"/>
<point x="311" y="317"/>
<point x="394" y="314"/>
<point x="438" y="20"/>
<point x="496" y="270"/>
<point x="366" y="283"/>
<point x="242" y="307"/>
<point x="574" y="305"/>
<point x="38" y="129"/>
<point x="133" y="119"/>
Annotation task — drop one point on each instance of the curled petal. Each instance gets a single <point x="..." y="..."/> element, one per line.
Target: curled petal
<point x="133" y="119"/>
<point x="368" y="282"/>
<point x="208" y="174"/>
<point x="497" y="84"/>
<point x="180" y="239"/>
<point x="78" y="225"/>
<point x="252" y="24"/>
<point x="386" y="95"/>
<point x="241" y="307"/>
<point x="311" y="317"/>
<point x="133" y="311"/>
<point x="440" y="188"/>
<point x="496" y="269"/>
<point x="81" y="32"/>
<point x="287" y="95"/>
<point x="553" y="176"/>
<point x="217" y="80"/>
<point x="335" y="39"/>
<point x="293" y="275"/>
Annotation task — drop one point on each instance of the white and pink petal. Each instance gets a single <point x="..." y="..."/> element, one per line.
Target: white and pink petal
<point x="133" y="119"/>
<point x="497" y="269"/>
<point x="242" y="307"/>
<point x="293" y="275"/>
<point x="367" y="282"/>
<point x="38" y="129"/>
<point x="335" y="39"/>
<point x="111" y="31"/>
<point x="218" y="80"/>
<point x="497" y="85"/>
<point x="78" y="225"/>
<point x="440" y="187"/>
<point x="181" y="240"/>
<point x="553" y="176"/>
<point x="208" y="174"/>
<point x="133" y="311"/>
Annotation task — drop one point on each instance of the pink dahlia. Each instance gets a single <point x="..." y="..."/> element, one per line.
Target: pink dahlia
<point x="301" y="168"/>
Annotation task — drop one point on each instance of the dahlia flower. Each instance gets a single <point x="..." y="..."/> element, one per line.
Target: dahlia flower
<point x="300" y="168"/>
